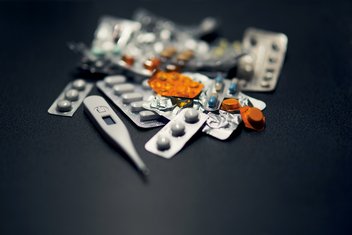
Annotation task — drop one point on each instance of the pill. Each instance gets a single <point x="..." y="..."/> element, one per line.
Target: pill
<point x="191" y="116"/>
<point x="178" y="129"/>
<point x="265" y="84"/>
<point x="147" y="115"/>
<point x="97" y="52"/>
<point x="64" y="106"/>
<point x="233" y="88"/>
<point x="137" y="106"/>
<point x="163" y="143"/>
<point x="79" y="84"/>
<point x="230" y="105"/>
<point x="152" y="63"/>
<point x="268" y="76"/>
<point x="145" y="85"/>
<point x="72" y="95"/>
<point x="110" y="81"/>
<point x="131" y="97"/>
<point x="172" y="68"/>
<point x="123" y="88"/>
<point x="212" y="101"/>
<point x="253" y="118"/>
<point x="129" y="60"/>
<point x="219" y="78"/>
<point x="218" y="86"/>
<point x="99" y="64"/>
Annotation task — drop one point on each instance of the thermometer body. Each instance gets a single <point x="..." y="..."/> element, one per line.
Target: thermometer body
<point x="112" y="127"/>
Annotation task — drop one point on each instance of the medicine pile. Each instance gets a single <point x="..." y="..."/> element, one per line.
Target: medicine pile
<point x="161" y="74"/>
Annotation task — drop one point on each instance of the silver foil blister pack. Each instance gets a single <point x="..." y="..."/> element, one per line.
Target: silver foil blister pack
<point x="222" y="125"/>
<point x="129" y="97"/>
<point x="70" y="98"/>
<point x="174" y="135"/>
<point x="260" y="68"/>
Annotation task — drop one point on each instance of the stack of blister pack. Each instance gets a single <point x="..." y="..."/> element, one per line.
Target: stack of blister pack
<point x="163" y="74"/>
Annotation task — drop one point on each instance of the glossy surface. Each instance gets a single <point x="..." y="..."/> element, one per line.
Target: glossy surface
<point x="58" y="176"/>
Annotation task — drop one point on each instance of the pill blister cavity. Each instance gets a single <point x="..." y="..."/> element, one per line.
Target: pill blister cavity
<point x="253" y="41"/>
<point x="123" y="88"/>
<point x="110" y="81"/>
<point x="178" y="129"/>
<point x="131" y="97"/>
<point x="268" y="76"/>
<point x="163" y="143"/>
<point x="72" y="95"/>
<point x="191" y="116"/>
<point x="79" y="84"/>
<point x="64" y="106"/>
<point x="275" y="46"/>
<point x="265" y="84"/>
<point x="137" y="106"/>
<point x="148" y="115"/>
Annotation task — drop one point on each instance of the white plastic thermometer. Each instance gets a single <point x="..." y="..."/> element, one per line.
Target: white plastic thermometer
<point x="112" y="128"/>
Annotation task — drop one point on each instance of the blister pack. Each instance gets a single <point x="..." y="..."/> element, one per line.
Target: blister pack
<point x="70" y="98"/>
<point x="214" y="94"/>
<point x="246" y="100"/>
<point x="174" y="135"/>
<point x="260" y="68"/>
<point x="222" y="125"/>
<point x="219" y="89"/>
<point x="129" y="97"/>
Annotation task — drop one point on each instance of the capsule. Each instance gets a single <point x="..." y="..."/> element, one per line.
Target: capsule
<point x="219" y="78"/>
<point x="212" y="101"/>
<point x="233" y="88"/>
<point x="129" y="60"/>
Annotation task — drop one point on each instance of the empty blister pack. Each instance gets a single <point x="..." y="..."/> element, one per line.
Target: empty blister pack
<point x="222" y="125"/>
<point x="129" y="97"/>
<point x="174" y="135"/>
<point x="70" y="98"/>
<point x="162" y="106"/>
<point x="260" y="68"/>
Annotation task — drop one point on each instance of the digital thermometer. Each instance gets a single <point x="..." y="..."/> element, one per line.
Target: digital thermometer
<point x="112" y="128"/>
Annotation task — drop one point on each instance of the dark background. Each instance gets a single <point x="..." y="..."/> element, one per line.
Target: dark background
<point x="58" y="176"/>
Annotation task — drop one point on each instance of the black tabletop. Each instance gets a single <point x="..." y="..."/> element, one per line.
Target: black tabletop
<point x="58" y="176"/>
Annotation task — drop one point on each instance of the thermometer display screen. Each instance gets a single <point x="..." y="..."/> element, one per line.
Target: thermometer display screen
<point x="108" y="120"/>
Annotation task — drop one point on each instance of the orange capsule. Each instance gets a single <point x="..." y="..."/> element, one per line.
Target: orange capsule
<point x="253" y="118"/>
<point x="230" y="105"/>
<point x="129" y="60"/>
<point x="152" y="63"/>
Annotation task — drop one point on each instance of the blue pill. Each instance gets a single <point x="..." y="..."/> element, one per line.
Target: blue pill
<point x="233" y="88"/>
<point x="219" y="78"/>
<point x="212" y="101"/>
